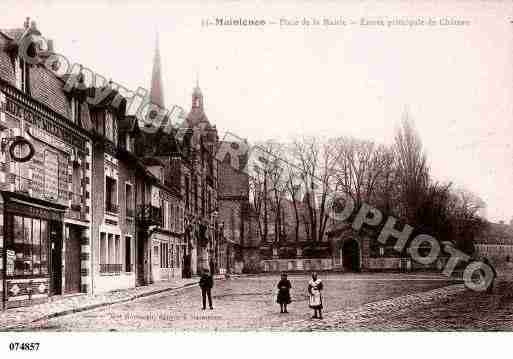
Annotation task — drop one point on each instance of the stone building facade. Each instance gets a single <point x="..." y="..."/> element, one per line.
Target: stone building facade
<point x="114" y="223"/>
<point x="240" y="223"/>
<point x="45" y="181"/>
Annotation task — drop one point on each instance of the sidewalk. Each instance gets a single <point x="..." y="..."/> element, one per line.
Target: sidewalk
<point x="62" y="305"/>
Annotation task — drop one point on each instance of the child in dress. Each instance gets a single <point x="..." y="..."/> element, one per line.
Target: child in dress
<point x="283" y="293"/>
<point x="315" y="288"/>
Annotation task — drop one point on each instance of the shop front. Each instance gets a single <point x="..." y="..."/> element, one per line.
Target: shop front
<point x="45" y="210"/>
<point x="32" y="233"/>
<point x="167" y="257"/>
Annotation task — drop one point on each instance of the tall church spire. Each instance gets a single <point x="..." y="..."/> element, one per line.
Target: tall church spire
<point x="157" y="91"/>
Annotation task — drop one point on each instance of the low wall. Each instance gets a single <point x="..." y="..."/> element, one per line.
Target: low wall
<point x="500" y="255"/>
<point x="383" y="263"/>
<point x="163" y="274"/>
<point x="404" y="264"/>
<point x="296" y="264"/>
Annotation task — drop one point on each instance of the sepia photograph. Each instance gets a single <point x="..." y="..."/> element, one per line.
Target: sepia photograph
<point x="254" y="167"/>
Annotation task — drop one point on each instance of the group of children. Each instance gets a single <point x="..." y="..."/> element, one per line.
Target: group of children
<point x="315" y="288"/>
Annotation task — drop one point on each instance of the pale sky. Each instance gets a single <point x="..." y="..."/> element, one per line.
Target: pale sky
<point x="355" y="80"/>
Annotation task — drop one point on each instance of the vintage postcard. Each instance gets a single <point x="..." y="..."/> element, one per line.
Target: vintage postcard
<point x="254" y="166"/>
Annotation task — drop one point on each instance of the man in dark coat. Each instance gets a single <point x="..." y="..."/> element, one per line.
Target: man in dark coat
<point x="206" y="283"/>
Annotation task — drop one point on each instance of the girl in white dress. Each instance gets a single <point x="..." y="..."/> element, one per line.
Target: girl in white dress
<point x="315" y="287"/>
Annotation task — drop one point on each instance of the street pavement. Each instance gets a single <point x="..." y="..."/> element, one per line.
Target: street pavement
<point x="61" y="305"/>
<point x="248" y="303"/>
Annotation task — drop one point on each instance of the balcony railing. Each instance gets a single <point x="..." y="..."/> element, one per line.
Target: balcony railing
<point x="111" y="207"/>
<point x="149" y="215"/>
<point x="111" y="268"/>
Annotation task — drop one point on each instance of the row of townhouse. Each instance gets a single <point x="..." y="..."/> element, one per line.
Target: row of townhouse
<point x="90" y="201"/>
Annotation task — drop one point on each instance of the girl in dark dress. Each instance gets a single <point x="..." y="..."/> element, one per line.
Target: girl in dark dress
<point x="283" y="293"/>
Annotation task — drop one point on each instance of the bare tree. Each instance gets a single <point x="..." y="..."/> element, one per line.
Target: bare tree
<point x="364" y="171"/>
<point x="316" y="160"/>
<point x="465" y="215"/>
<point x="412" y="171"/>
<point x="268" y="186"/>
<point x="293" y="188"/>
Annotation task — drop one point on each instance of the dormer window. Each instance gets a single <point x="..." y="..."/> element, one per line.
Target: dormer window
<point x="110" y="127"/>
<point x="21" y="72"/>
<point x="109" y="131"/>
<point x="75" y="110"/>
<point x="98" y="121"/>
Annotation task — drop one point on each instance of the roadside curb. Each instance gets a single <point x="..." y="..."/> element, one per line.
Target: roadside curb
<point x="96" y="306"/>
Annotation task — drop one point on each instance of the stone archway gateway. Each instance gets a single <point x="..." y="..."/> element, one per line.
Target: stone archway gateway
<point x="351" y="255"/>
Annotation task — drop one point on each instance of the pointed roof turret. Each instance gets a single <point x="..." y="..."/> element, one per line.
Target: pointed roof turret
<point x="157" y="90"/>
<point x="197" y="113"/>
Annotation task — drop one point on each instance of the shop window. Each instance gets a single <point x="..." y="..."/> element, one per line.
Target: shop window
<point x="110" y="253"/>
<point x="30" y="245"/>
<point x="44" y="247"/>
<point x="36" y="246"/>
<point x="155" y="255"/>
<point x="117" y="250"/>
<point x="103" y="249"/>
<point x="164" y="257"/>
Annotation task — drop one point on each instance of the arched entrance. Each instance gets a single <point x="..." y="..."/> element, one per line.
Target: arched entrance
<point x="351" y="256"/>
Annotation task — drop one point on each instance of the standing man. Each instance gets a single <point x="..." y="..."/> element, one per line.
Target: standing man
<point x="206" y="283"/>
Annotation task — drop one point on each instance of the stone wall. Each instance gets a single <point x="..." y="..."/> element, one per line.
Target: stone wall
<point x="500" y="255"/>
<point x="299" y="264"/>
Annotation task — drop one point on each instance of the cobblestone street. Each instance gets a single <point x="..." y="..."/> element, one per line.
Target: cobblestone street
<point x="248" y="303"/>
<point x="450" y="309"/>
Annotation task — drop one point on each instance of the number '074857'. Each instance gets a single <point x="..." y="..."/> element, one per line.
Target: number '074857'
<point x="13" y="346"/>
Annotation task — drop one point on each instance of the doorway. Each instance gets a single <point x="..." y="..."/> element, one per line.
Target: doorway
<point x="55" y="257"/>
<point x="73" y="262"/>
<point x="351" y="256"/>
